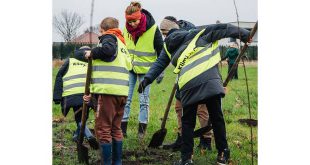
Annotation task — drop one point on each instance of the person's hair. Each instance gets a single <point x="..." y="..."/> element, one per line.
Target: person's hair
<point x="109" y="23"/>
<point x="171" y="18"/>
<point x="133" y="7"/>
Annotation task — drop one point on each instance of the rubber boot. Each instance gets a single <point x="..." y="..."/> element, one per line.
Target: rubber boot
<point x="117" y="152"/>
<point x="124" y="128"/>
<point x="176" y="146"/>
<point x="141" y="130"/>
<point x="106" y="149"/>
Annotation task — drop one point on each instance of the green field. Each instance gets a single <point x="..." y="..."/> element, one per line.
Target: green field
<point x="235" y="107"/>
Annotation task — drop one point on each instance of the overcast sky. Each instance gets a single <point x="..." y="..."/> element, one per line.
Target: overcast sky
<point x="199" y="12"/>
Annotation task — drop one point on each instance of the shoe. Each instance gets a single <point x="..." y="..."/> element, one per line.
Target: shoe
<point x="106" y="156"/>
<point x="223" y="157"/>
<point x="176" y="146"/>
<point x="186" y="162"/>
<point x="141" y="130"/>
<point x="205" y="143"/>
<point x="117" y="152"/>
<point x="124" y="128"/>
<point x="93" y="142"/>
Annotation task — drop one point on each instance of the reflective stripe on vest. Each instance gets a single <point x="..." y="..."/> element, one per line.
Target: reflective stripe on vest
<point x="143" y="53"/>
<point x="167" y="52"/>
<point x="112" y="77"/>
<point x="74" y="79"/>
<point x="197" y="60"/>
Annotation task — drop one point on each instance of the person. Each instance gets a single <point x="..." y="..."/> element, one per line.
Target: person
<point x="195" y="56"/>
<point x="231" y="54"/>
<point x="109" y="86"/>
<point x="69" y="90"/>
<point x="168" y="23"/>
<point x="144" y="43"/>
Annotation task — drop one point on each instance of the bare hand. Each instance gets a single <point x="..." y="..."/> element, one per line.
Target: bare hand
<point x="87" y="54"/>
<point x="225" y="90"/>
<point x="87" y="98"/>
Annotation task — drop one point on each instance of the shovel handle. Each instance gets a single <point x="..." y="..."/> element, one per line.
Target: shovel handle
<point x="234" y="67"/>
<point x="163" y="124"/>
<point x="84" y="110"/>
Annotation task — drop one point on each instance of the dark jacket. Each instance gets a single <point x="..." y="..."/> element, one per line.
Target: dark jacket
<point x="231" y="54"/>
<point x="207" y="84"/>
<point x="185" y="25"/>
<point x="105" y="52"/>
<point x="158" y="39"/>
<point x="71" y="100"/>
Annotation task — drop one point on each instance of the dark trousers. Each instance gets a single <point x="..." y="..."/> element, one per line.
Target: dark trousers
<point x="236" y="73"/>
<point x="78" y="113"/>
<point x="188" y="125"/>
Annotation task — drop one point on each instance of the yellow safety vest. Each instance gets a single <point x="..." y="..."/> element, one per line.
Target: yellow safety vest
<point x="142" y="54"/>
<point x="74" y="79"/>
<point x="195" y="60"/>
<point x="112" y="77"/>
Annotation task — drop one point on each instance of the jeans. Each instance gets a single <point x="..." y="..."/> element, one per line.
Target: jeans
<point x="144" y="99"/>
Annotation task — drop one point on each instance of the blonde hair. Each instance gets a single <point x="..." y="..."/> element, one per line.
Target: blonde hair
<point x="133" y="7"/>
<point x="109" y="23"/>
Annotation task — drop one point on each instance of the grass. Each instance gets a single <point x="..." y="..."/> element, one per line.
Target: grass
<point x="235" y="107"/>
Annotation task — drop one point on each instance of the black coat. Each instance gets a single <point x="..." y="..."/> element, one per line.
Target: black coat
<point x="207" y="84"/>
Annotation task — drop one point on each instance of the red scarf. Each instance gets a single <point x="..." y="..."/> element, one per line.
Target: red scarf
<point x="117" y="33"/>
<point x="141" y="28"/>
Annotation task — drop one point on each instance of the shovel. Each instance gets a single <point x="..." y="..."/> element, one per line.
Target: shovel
<point x="159" y="136"/>
<point x="82" y="150"/>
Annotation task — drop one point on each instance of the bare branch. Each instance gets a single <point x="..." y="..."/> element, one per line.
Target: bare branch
<point x="67" y="24"/>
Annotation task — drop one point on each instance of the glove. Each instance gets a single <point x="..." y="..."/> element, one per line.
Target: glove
<point x="160" y="78"/>
<point x="142" y="85"/>
<point x="57" y="101"/>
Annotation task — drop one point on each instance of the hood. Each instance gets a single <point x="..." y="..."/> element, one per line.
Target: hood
<point x="186" y="25"/>
<point x="175" y="39"/>
<point x="150" y="21"/>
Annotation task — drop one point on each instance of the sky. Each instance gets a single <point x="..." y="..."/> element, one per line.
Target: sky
<point x="199" y="12"/>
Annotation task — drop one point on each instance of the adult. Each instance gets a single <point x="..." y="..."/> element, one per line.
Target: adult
<point x="231" y="54"/>
<point x="144" y="43"/>
<point x="196" y="55"/>
<point x="168" y="23"/>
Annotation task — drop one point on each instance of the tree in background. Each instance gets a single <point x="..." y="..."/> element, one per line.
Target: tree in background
<point x="67" y="24"/>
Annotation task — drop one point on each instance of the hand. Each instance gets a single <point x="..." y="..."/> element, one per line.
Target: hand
<point x="87" y="54"/>
<point x="143" y="85"/>
<point x="225" y="90"/>
<point x="87" y="98"/>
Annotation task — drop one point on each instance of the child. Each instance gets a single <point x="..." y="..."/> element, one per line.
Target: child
<point x="110" y="86"/>
<point x="69" y="89"/>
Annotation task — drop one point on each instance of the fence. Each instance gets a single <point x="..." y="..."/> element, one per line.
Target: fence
<point x="251" y="53"/>
<point x="63" y="50"/>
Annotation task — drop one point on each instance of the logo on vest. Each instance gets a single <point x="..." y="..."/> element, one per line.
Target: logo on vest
<point x="77" y="64"/>
<point x="123" y="50"/>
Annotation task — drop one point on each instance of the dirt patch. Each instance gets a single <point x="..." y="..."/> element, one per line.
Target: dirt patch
<point x="249" y="122"/>
<point x="149" y="156"/>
